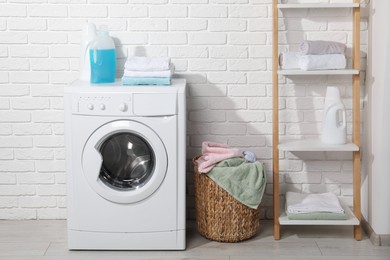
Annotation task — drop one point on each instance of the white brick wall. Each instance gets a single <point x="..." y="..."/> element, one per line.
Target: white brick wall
<point x="223" y="49"/>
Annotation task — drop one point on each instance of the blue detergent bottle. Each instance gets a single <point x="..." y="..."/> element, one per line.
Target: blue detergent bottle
<point x="103" y="58"/>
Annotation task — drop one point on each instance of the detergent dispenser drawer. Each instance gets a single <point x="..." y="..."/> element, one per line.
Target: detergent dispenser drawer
<point x="164" y="104"/>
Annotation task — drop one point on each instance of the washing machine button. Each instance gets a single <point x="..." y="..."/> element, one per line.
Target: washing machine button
<point x="123" y="107"/>
<point x="90" y="106"/>
<point x="102" y="107"/>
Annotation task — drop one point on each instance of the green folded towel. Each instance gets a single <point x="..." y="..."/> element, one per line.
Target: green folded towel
<point x="244" y="181"/>
<point x="317" y="216"/>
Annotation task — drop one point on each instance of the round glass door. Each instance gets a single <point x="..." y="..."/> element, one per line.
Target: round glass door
<point x="124" y="161"/>
<point x="128" y="161"/>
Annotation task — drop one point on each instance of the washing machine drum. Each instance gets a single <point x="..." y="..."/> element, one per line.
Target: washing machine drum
<point x="124" y="161"/>
<point x="128" y="161"/>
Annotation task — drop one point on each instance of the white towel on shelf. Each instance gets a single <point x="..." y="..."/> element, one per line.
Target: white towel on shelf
<point x="322" y="62"/>
<point x="289" y="60"/>
<point x="322" y="47"/>
<point x="309" y="203"/>
<point x="137" y="63"/>
<point x="151" y="73"/>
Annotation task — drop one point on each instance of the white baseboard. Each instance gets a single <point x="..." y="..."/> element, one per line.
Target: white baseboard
<point x="378" y="240"/>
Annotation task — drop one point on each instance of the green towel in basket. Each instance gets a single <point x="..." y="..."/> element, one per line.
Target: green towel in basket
<point x="243" y="180"/>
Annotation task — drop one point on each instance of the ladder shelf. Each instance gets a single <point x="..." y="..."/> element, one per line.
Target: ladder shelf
<point x="310" y="145"/>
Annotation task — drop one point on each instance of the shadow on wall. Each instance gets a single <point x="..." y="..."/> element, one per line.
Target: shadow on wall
<point x="121" y="56"/>
<point x="226" y="113"/>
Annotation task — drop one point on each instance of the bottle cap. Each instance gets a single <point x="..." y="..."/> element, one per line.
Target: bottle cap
<point x="103" y="30"/>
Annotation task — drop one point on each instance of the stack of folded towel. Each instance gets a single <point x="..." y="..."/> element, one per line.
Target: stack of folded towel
<point x="147" y="71"/>
<point x="315" y="55"/>
<point x="306" y="206"/>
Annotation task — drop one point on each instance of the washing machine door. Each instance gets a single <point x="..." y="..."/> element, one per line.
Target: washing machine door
<point x="124" y="161"/>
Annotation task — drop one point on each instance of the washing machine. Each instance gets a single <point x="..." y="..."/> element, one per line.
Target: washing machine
<point x="125" y="162"/>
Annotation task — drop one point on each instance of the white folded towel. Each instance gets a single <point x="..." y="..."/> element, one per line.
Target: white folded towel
<point x="322" y="47"/>
<point x="151" y="73"/>
<point x="309" y="203"/>
<point x="137" y="63"/>
<point x="289" y="60"/>
<point x="322" y="62"/>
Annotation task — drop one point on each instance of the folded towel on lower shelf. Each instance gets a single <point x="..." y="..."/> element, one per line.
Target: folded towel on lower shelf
<point x="244" y="181"/>
<point x="310" y="203"/>
<point x="322" y="62"/>
<point x="132" y="81"/>
<point x="317" y="216"/>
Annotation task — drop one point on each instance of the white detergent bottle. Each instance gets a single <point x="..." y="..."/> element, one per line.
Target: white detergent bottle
<point x="89" y="34"/>
<point x="103" y="58"/>
<point x="334" y="125"/>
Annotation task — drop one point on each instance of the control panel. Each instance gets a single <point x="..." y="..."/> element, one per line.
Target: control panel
<point x="103" y="104"/>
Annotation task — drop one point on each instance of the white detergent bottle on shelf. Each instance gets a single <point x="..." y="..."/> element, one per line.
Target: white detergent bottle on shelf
<point x="334" y="125"/>
<point x="89" y="34"/>
<point x="103" y="58"/>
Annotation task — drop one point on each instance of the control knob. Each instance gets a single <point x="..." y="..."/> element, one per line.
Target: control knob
<point x="123" y="107"/>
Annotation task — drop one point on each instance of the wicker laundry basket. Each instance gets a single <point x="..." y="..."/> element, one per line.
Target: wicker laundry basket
<point x="221" y="217"/>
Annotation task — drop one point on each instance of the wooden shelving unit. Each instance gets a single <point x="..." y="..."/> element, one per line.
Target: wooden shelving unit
<point x="309" y="145"/>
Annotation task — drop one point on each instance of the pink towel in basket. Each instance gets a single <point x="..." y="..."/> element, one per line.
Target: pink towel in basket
<point x="213" y="153"/>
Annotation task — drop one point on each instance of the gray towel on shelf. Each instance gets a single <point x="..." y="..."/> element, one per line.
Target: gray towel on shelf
<point x="322" y="47"/>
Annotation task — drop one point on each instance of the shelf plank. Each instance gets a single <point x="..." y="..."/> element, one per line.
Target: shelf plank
<point x="351" y="221"/>
<point x="318" y="72"/>
<point x="315" y="145"/>
<point x="330" y="5"/>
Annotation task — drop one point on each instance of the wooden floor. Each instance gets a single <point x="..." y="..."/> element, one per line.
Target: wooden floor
<point x="46" y="239"/>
